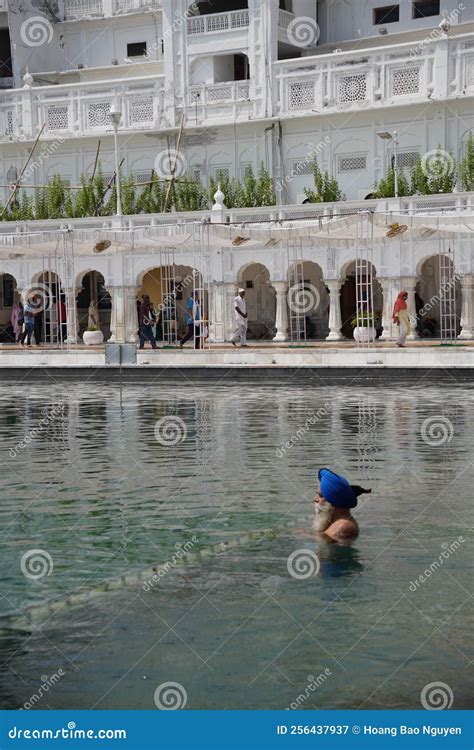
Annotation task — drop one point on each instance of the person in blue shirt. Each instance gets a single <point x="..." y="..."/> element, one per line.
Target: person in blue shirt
<point x="193" y="321"/>
<point x="29" y="312"/>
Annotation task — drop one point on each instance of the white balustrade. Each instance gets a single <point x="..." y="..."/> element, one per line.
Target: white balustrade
<point x="230" y="91"/>
<point x="285" y="18"/>
<point x="376" y="77"/>
<point x="236" y="19"/>
<point x="75" y="9"/>
<point x="124" y="6"/>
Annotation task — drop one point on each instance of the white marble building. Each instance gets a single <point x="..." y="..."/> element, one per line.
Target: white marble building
<point x="251" y="82"/>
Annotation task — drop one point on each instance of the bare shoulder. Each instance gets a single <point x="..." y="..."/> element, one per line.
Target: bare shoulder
<point x="344" y="528"/>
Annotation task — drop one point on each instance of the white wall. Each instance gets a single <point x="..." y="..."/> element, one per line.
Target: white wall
<point x="341" y="20"/>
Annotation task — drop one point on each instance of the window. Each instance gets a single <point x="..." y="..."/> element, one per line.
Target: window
<point x="301" y="167"/>
<point x="388" y="14"/>
<point x="136" y="49"/>
<point x="221" y="173"/>
<point x="352" y="163"/>
<point x="5" y="54"/>
<point x="425" y="8"/>
<point x="407" y="159"/>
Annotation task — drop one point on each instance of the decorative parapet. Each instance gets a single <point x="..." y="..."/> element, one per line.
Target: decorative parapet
<point x="375" y="77"/>
<point x="77" y="10"/>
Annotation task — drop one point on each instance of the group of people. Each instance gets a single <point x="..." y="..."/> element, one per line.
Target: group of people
<point x="28" y="321"/>
<point x="150" y="321"/>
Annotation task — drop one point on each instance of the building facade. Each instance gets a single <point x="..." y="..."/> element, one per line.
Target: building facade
<point x="240" y="84"/>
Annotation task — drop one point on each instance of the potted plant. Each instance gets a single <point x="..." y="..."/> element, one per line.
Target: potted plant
<point x="364" y="326"/>
<point x="92" y="336"/>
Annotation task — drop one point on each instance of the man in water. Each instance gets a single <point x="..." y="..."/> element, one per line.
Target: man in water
<point x="332" y="506"/>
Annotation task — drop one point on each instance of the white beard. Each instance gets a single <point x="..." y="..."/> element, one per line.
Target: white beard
<point x="322" y="516"/>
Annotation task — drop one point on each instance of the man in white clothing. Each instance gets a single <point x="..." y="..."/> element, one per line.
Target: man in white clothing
<point x="240" y="308"/>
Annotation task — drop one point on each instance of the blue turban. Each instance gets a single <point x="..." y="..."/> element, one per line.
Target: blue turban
<point x="336" y="490"/>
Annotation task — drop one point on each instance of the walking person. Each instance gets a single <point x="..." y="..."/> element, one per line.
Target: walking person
<point x="193" y="321"/>
<point x="39" y="319"/>
<point x="146" y="323"/>
<point x="17" y="320"/>
<point x="29" y="323"/>
<point x="401" y="318"/>
<point x="240" y="311"/>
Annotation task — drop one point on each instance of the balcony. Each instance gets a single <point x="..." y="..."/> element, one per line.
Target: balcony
<point x="237" y="19"/>
<point x="228" y="100"/>
<point x="81" y="109"/>
<point x="76" y="10"/>
<point x="376" y="77"/>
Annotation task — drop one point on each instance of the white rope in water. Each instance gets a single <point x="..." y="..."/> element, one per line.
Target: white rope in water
<point x="24" y="618"/>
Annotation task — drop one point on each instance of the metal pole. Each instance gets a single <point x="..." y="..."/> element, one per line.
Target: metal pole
<point x="395" y="162"/>
<point x="117" y="174"/>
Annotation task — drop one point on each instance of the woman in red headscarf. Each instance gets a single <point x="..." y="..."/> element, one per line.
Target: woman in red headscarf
<point x="401" y="317"/>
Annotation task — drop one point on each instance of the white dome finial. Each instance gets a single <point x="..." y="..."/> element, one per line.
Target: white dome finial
<point x="219" y="198"/>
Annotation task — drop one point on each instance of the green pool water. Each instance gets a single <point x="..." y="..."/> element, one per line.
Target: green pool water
<point x="105" y="480"/>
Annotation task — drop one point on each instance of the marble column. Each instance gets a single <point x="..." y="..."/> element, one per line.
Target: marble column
<point x="281" y="322"/>
<point x="388" y="291"/>
<point x="131" y="318"/>
<point x="72" y="316"/>
<point x="409" y="285"/>
<point x="467" y="310"/>
<point x="230" y="292"/>
<point x="216" y="312"/>
<point x="123" y="319"/>
<point x="335" y="318"/>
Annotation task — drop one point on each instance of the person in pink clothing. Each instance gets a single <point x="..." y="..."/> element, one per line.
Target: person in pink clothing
<point x="17" y="319"/>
